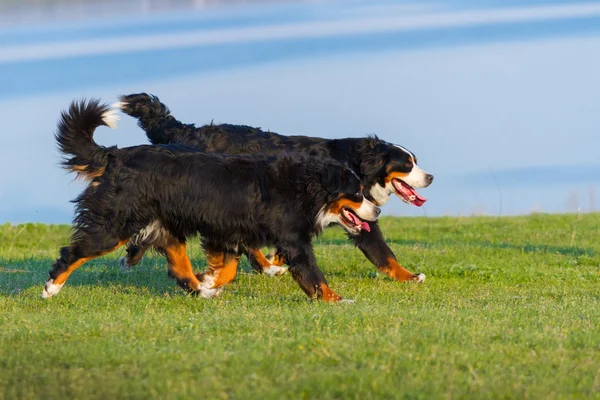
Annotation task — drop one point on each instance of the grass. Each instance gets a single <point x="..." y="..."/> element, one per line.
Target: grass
<point x="510" y="309"/>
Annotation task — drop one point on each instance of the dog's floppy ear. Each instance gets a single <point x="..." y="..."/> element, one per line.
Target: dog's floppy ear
<point x="374" y="153"/>
<point x="373" y="160"/>
<point x="331" y="178"/>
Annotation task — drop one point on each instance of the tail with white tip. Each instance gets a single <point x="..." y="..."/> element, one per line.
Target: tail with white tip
<point x="154" y="118"/>
<point x="75" y="137"/>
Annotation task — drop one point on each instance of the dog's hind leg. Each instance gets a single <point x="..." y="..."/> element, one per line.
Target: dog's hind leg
<point x="133" y="257"/>
<point x="222" y="269"/>
<point x="264" y="265"/>
<point x="83" y="248"/>
<point x="152" y="234"/>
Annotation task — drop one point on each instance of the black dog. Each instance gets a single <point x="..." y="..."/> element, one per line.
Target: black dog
<point x="382" y="167"/>
<point x="234" y="202"/>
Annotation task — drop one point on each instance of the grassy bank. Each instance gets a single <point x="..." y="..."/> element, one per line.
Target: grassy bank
<point x="510" y="309"/>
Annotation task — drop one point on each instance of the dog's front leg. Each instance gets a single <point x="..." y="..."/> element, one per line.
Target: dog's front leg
<point x="374" y="247"/>
<point x="304" y="270"/>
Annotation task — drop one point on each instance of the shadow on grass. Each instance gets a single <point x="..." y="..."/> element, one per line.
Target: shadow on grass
<point x="149" y="276"/>
<point x="527" y="248"/>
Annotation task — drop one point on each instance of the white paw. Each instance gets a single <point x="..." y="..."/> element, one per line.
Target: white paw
<point x="274" y="270"/>
<point x="206" y="287"/>
<point x="420" y="277"/>
<point x="124" y="266"/>
<point x="50" y="289"/>
<point x="208" y="293"/>
<point x="347" y="301"/>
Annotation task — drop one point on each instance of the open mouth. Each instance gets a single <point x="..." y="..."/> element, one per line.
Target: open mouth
<point x="352" y="221"/>
<point x="407" y="193"/>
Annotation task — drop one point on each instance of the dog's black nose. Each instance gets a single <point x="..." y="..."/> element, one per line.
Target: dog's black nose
<point x="429" y="178"/>
<point x="377" y="211"/>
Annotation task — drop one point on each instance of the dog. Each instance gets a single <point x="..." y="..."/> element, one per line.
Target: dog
<point x="163" y="194"/>
<point x="382" y="167"/>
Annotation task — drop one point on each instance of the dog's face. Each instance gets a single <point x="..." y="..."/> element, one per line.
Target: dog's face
<point x="346" y="205"/>
<point x="395" y="170"/>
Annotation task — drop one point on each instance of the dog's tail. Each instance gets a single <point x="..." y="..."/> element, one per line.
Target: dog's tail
<point x="153" y="117"/>
<point x="75" y="137"/>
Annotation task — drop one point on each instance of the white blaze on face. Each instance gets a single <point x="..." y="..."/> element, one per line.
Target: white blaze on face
<point x="367" y="211"/>
<point x="406" y="151"/>
<point x="417" y="177"/>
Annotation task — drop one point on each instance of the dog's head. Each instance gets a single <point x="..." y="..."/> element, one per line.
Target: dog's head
<point x="387" y="169"/>
<point x="346" y="204"/>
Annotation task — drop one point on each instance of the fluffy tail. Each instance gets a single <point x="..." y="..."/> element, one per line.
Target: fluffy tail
<point x="153" y="117"/>
<point x="75" y="137"/>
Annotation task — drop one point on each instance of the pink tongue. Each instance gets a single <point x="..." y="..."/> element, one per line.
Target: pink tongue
<point x="407" y="192"/>
<point x="356" y="221"/>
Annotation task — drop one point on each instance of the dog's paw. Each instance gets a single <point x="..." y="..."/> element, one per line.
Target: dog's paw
<point x="206" y="287"/>
<point x="208" y="293"/>
<point x="274" y="270"/>
<point x="419" y="278"/>
<point x="124" y="266"/>
<point x="347" y="301"/>
<point x="51" y="289"/>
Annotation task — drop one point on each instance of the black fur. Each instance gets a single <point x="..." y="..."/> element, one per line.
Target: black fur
<point x="372" y="159"/>
<point x="233" y="202"/>
<point x="369" y="157"/>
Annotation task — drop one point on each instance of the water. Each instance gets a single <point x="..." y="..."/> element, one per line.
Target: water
<point x="499" y="100"/>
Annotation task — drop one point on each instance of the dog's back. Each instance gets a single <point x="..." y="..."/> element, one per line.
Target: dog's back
<point x="162" y="128"/>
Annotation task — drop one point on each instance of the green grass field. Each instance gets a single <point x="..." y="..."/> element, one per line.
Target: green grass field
<point x="510" y="309"/>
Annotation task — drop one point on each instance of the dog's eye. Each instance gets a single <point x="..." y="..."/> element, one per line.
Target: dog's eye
<point x="408" y="165"/>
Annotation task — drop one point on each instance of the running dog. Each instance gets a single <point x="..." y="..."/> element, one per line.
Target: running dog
<point x="382" y="167"/>
<point x="161" y="194"/>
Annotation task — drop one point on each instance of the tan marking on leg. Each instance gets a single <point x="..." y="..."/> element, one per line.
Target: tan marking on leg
<point x="62" y="277"/>
<point x="223" y="267"/>
<point x="266" y="266"/>
<point x="180" y="266"/>
<point x="399" y="273"/>
<point x="277" y="267"/>
<point x="260" y="258"/>
<point x="329" y="295"/>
